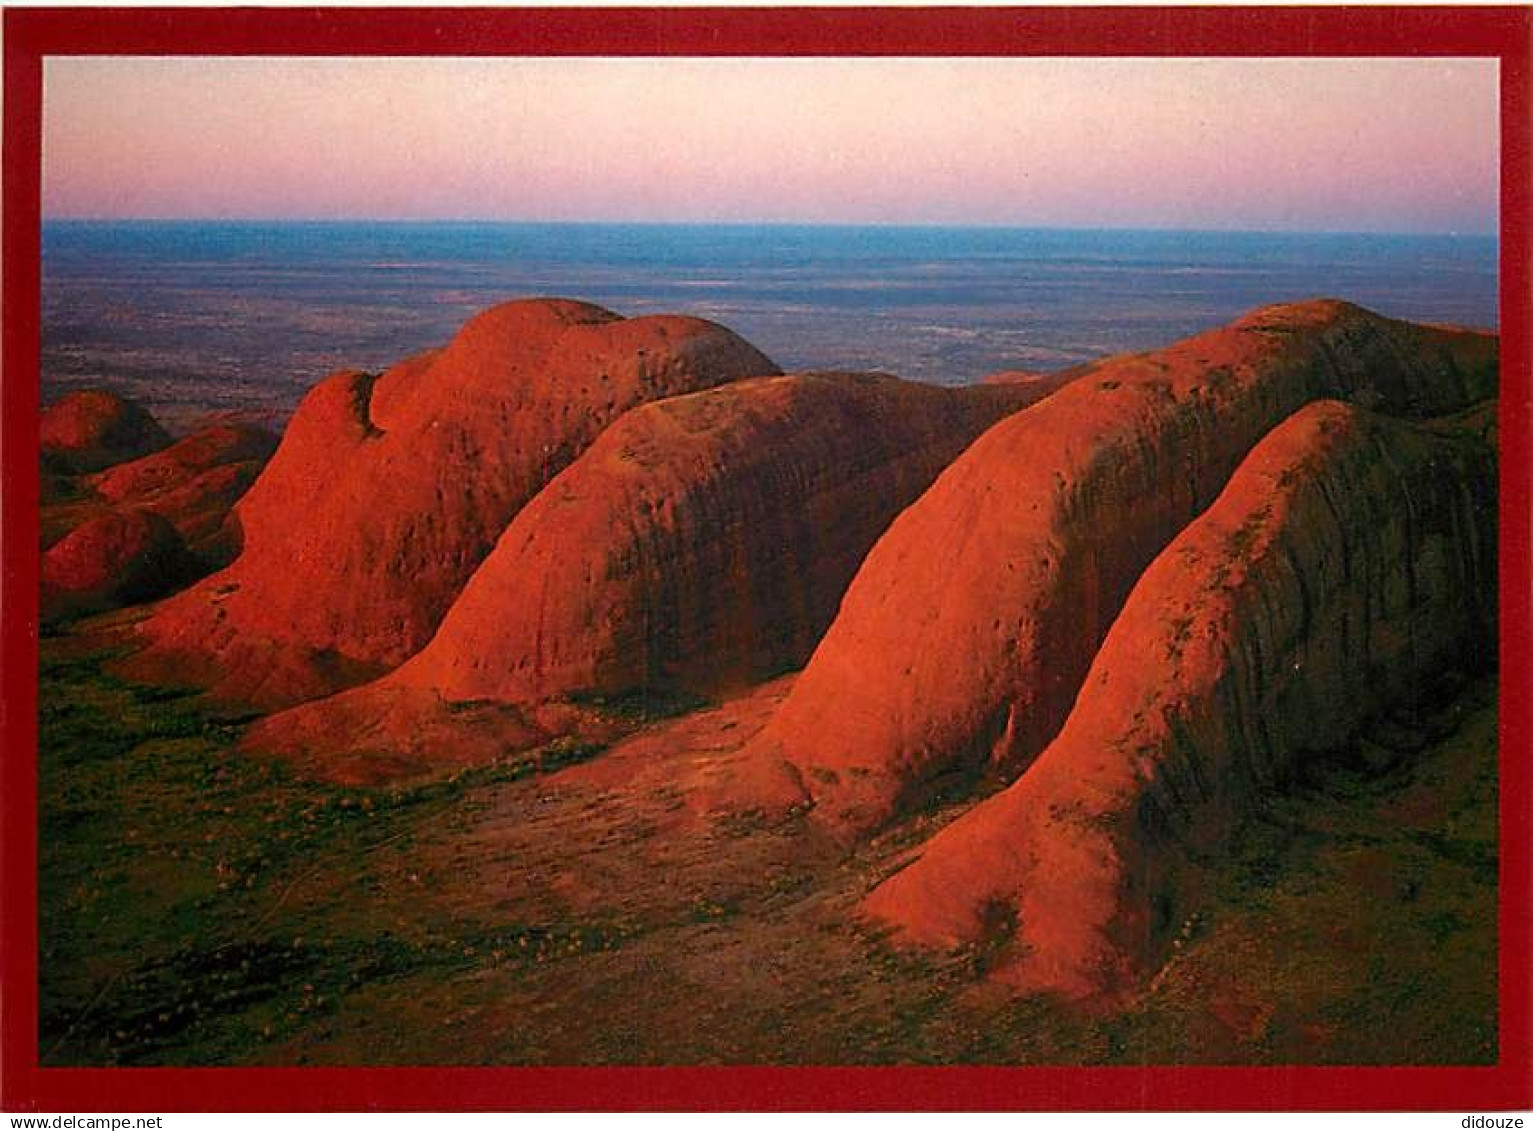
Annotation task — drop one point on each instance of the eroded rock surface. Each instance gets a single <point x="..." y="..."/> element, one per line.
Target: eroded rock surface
<point x="194" y="483"/>
<point x="1348" y="563"/>
<point x="118" y="557"/>
<point x="387" y="493"/>
<point x="699" y="546"/>
<point x="92" y="429"/>
<point x="963" y="639"/>
<point x="99" y="548"/>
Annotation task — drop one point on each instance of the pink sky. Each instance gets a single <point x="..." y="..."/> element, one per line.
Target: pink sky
<point x="1348" y="144"/>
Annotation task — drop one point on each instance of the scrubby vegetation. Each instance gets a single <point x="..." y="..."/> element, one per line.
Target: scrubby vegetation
<point x="199" y="906"/>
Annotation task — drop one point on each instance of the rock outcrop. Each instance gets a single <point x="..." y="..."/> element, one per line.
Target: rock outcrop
<point x="119" y="557"/>
<point x="194" y="483"/>
<point x="386" y="493"/>
<point x="704" y="542"/>
<point x="963" y="639"/>
<point x="106" y="504"/>
<point x="1347" y="564"/>
<point x="1056" y="379"/>
<point x="699" y="546"/>
<point x="89" y="430"/>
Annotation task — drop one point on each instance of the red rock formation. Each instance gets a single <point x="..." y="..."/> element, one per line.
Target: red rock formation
<point x="170" y="468"/>
<point x="99" y="548"/>
<point x="89" y="430"/>
<point x="116" y="558"/>
<point x="703" y="543"/>
<point x="1057" y="379"/>
<point x="1349" y="561"/>
<point x="966" y="633"/>
<point x="700" y="545"/>
<point x="194" y="483"/>
<point x="386" y="494"/>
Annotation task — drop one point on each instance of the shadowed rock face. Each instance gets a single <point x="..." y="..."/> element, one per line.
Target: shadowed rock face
<point x="214" y="446"/>
<point x="93" y="429"/>
<point x="103" y="540"/>
<point x="386" y="494"/>
<point x="1349" y="561"/>
<point x="965" y="635"/>
<point x="702" y="544"/>
<point x="115" y="558"/>
<point x="194" y="483"/>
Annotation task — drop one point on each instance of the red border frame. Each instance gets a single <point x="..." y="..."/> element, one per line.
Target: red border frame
<point x="30" y="34"/>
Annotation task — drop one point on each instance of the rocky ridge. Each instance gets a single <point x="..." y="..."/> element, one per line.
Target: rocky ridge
<point x="387" y="492"/>
<point x="962" y="642"/>
<point x="1349" y="562"/>
<point x="698" y="547"/>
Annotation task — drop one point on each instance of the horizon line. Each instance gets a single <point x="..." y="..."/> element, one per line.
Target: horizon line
<point x="1493" y="233"/>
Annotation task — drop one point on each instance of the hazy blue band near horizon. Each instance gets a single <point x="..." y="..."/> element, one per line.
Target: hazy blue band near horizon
<point x="194" y="317"/>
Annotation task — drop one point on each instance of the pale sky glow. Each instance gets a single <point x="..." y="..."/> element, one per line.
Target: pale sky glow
<point x="1302" y="144"/>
